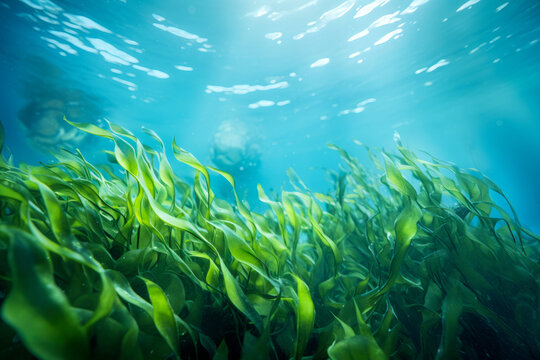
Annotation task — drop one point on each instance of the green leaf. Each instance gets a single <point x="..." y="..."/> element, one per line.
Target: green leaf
<point x="238" y="297"/>
<point x="305" y="317"/>
<point x="163" y="316"/>
<point x="397" y="179"/>
<point x="124" y="290"/>
<point x="356" y="348"/>
<point x="338" y="258"/>
<point x="91" y="129"/>
<point x="120" y="130"/>
<point x="59" y="223"/>
<point x="347" y="330"/>
<point x="451" y="311"/>
<point x="125" y="155"/>
<point x="244" y="211"/>
<point x="222" y="352"/>
<point x="188" y="159"/>
<point x="107" y="298"/>
<point x="405" y="228"/>
<point x="36" y="308"/>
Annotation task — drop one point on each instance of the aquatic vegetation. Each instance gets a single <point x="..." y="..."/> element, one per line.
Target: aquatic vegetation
<point x="418" y="260"/>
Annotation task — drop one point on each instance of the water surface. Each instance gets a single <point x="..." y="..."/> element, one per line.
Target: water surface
<point x="458" y="79"/>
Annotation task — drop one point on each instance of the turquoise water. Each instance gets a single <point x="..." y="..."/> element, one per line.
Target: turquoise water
<point x="457" y="79"/>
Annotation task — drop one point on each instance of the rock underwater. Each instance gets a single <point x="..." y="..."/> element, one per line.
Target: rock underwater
<point x="234" y="147"/>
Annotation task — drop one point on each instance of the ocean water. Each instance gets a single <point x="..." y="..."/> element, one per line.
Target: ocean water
<point x="457" y="79"/>
<point x="130" y="263"/>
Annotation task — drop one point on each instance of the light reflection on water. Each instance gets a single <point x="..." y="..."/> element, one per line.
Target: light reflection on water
<point x="456" y="78"/>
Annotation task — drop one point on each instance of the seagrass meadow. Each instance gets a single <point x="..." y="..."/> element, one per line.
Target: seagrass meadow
<point x="418" y="259"/>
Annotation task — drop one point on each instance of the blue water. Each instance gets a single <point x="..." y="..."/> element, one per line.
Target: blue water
<point x="460" y="80"/>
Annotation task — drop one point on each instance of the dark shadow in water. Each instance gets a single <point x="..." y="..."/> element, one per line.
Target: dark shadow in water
<point x="49" y="97"/>
<point x="235" y="149"/>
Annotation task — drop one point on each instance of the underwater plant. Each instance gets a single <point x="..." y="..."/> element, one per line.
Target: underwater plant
<point x="416" y="260"/>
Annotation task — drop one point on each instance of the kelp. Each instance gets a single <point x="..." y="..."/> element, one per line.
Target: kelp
<point x="418" y="259"/>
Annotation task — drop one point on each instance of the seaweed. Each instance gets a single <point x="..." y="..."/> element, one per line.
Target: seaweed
<point x="418" y="259"/>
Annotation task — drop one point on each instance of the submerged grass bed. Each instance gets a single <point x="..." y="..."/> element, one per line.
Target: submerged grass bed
<point x="129" y="262"/>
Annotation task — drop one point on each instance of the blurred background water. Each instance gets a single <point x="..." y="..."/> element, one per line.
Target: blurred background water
<point x="458" y="79"/>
